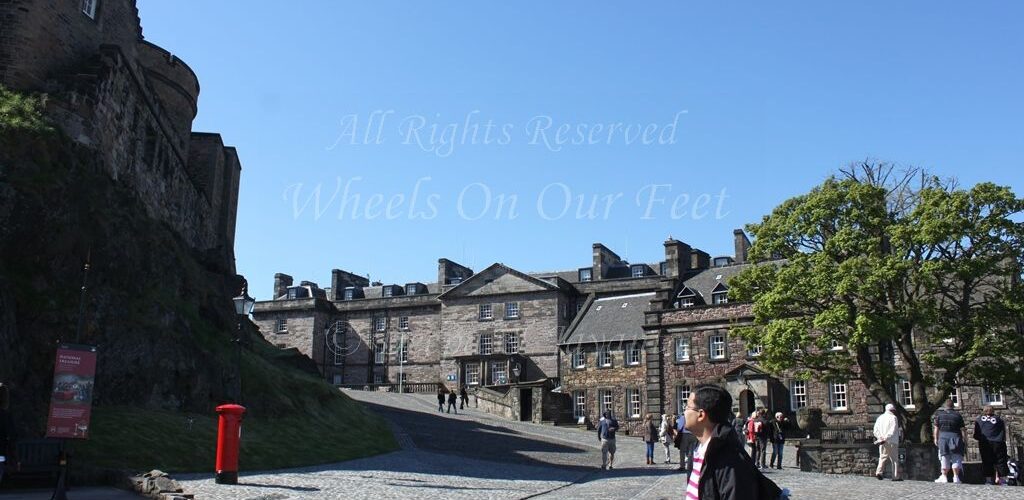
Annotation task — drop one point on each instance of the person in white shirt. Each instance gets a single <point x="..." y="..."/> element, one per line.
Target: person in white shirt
<point x="887" y="437"/>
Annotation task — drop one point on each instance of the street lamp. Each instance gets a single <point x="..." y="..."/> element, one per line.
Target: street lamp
<point x="516" y="370"/>
<point x="243" y="307"/>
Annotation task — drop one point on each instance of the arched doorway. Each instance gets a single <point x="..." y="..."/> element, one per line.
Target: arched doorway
<point x="746" y="402"/>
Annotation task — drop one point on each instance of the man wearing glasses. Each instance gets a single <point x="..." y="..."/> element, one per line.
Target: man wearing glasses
<point x="721" y="469"/>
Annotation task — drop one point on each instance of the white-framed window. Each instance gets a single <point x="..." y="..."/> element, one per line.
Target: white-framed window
<point x="579" y="404"/>
<point x="410" y="289"/>
<point x="904" y="391"/>
<point x="89" y="8"/>
<point x="954" y="396"/>
<point x="337" y="379"/>
<point x="837" y="394"/>
<point x="403" y="322"/>
<point x="685" y="302"/>
<point x="991" y="397"/>
<point x="380" y="324"/>
<point x="403" y="378"/>
<point x="607" y="403"/>
<point x="716" y="347"/>
<point x="579" y="358"/>
<point x="389" y="291"/>
<point x="633" y="356"/>
<point x="473" y="374"/>
<point x="511" y="310"/>
<point x="638" y="271"/>
<point x="486" y="312"/>
<point x="720" y="298"/>
<point x="486" y="347"/>
<point x="512" y="342"/>
<point x="281" y="326"/>
<point x="755" y="350"/>
<point x="604" y="356"/>
<point x="798" y="394"/>
<point x="378" y="378"/>
<point x="682" y="349"/>
<point x="682" y="397"/>
<point x="499" y="372"/>
<point x="403" y="351"/>
<point x="633" y="400"/>
<point x="380" y="352"/>
<point x="350" y="293"/>
<point x="586" y="275"/>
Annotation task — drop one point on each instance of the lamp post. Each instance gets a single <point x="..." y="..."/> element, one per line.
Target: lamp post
<point x="243" y="307"/>
<point x="401" y="361"/>
<point x="516" y="370"/>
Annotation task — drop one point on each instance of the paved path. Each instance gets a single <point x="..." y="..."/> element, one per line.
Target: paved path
<point x="475" y="455"/>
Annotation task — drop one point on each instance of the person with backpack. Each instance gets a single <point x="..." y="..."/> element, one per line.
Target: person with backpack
<point x="721" y="468"/>
<point x="990" y="431"/>
<point x="606" y="435"/>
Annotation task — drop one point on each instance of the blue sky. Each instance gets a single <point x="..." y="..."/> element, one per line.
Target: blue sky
<point x="744" y="104"/>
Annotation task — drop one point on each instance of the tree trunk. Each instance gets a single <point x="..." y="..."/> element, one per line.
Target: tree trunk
<point x="918" y="429"/>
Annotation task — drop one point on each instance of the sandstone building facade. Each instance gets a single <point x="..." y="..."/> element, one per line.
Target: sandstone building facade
<point x="133" y="102"/>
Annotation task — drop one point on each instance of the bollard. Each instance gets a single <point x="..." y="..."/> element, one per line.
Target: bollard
<point x="229" y="438"/>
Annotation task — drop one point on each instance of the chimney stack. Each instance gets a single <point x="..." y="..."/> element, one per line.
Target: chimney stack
<point x="742" y="244"/>
<point x="677" y="258"/>
<point x="281" y="283"/>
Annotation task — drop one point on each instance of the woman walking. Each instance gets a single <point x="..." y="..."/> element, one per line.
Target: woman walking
<point x="650" y="433"/>
<point x="667" y="435"/>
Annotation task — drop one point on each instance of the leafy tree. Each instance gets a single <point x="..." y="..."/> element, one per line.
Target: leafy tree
<point x="880" y="275"/>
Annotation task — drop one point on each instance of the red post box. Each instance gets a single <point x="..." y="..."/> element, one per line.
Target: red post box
<point x="229" y="437"/>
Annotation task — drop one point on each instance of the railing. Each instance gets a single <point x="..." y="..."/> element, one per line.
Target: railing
<point x="846" y="435"/>
<point x="418" y="388"/>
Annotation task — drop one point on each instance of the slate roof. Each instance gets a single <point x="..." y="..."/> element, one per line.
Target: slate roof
<point x="705" y="281"/>
<point x="610" y="319"/>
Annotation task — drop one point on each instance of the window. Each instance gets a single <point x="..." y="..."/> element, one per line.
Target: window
<point x="485" y="344"/>
<point x="579" y="404"/>
<point x="717" y="346"/>
<point x="633" y="400"/>
<point x="633" y="358"/>
<point x="403" y="378"/>
<point x="720" y="298"/>
<point x="685" y="302"/>
<point x="511" y="310"/>
<point x="955" y="397"/>
<point x="586" y="275"/>
<point x="293" y="292"/>
<point x="337" y="379"/>
<point x="755" y="351"/>
<point x="410" y="289"/>
<point x="904" y="393"/>
<point x="378" y="378"/>
<point x="682" y="349"/>
<point x="512" y="342"/>
<point x="638" y="271"/>
<point x="403" y="322"/>
<point x="682" y="397"/>
<point x="380" y="324"/>
<point x="485" y="312"/>
<point x="380" y="352"/>
<point x="281" y="326"/>
<point x="89" y="8"/>
<point x="663" y="269"/>
<point x="403" y="352"/>
<point x="579" y="305"/>
<point x="579" y="358"/>
<point x="605" y="398"/>
<point x="473" y="374"/>
<point x="798" y="394"/>
<point x="499" y="372"/>
<point x="837" y="393"/>
<point x="389" y="291"/>
<point x="604" y="356"/>
<point x="991" y="397"/>
<point x="350" y="293"/>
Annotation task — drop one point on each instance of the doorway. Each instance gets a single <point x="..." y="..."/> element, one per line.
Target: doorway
<point x="526" y="405"/>
<point x="746" y="402"/>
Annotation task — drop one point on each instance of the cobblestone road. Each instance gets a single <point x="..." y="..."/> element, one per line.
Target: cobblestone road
<point x="474" y="455"/>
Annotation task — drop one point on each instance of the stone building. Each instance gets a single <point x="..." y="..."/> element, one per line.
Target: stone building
<point x="131" y="101"/>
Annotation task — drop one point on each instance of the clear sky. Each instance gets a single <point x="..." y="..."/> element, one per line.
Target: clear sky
<point x="443" y="120"/>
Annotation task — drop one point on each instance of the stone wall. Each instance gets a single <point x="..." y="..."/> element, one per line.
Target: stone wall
<point x="592" y="380"/>
<point x="918" y="461"/>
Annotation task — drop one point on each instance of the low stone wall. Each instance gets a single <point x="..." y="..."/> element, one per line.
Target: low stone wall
<point x="918" y="461"/>
<point x="502" y="404"/>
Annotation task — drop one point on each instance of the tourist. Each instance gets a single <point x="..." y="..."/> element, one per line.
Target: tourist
<point x="887" y="436"/>
<point x="6" y="431"/>
<point x="777" y="436"/>
<point x="721" y="469"/>
<point x="465" y="398"/>
<point x="440" y="400"/>
<point x="950" y="435"/>
<point x="606" y="435"/>
<point x="761" y="438"/>
<point x="667" y="434"/>
<point x="452" y="402"/>
<point x="990" y="431"/>
<point x="650" y="432"/>
<point x="686" y="442"/>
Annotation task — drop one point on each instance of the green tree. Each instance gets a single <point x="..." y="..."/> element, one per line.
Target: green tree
<point x="881" y="275"/>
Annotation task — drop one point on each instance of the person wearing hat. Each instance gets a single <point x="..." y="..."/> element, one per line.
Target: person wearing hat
<point x="887" y="437"/>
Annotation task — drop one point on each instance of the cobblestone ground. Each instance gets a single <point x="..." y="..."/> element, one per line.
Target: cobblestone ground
<point x="474" y="455"/>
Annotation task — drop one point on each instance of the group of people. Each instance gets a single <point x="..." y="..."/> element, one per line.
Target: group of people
<point x="949" y="433"/>
<point x="711" y="447"/>
<point x="761" y="432"/>
<point x="453" y="399"/>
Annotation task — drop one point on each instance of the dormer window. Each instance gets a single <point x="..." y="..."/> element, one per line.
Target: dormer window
<point x="89" y="8"/>
<point x="638" y="271"/>
<point x="663" y="269"/>
<point x="586" y="275"/>
<point x="686" y="298"/>
<point x="350" y="293"/>
<point x="411" y="289"/>
<point x="720" y="295"/>
<point x="389" y="291"/>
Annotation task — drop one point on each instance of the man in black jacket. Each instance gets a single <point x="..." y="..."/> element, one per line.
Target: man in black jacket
<point x="721" y="469"/>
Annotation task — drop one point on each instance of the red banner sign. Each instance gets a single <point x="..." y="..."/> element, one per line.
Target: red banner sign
<point x="74" y="374"/>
